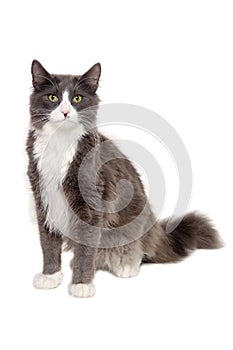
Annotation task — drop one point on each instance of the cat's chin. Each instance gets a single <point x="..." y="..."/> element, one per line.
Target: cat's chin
<point x="63" y="124"/>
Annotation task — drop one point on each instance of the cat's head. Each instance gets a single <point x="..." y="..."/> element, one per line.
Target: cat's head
<point x="65" y="101"/>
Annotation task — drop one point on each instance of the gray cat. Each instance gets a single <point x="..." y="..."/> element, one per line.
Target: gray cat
<point x="75" y="174"/>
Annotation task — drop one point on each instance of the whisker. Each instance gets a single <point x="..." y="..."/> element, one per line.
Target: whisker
<point x="39" y="115"/>
<point x="42" y="117"/>
<point x="87" y="110"/>
<point x="39" y="121"/>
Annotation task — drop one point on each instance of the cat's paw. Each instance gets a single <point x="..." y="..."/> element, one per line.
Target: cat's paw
<point x="126" y="271"/>
<point x="82" y="290"/>
<point x="42" y="281"/>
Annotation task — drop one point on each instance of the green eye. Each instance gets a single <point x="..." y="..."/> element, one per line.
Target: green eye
<point x="77" y="99"/>
<point x="52" y="98"/>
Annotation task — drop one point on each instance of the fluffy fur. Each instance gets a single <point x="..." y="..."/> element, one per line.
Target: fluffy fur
<point x="42" y="281"/>
<point x="62" y="133"/>
<point x="82" y="290"/>
<point x="54" y="150"/>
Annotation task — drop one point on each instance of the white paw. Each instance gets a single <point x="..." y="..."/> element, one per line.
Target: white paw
<point x="126" y="271"/>
<point x="82" y="290"/>
<point x="42" y="281"/>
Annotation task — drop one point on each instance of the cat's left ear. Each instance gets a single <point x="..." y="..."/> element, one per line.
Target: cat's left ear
<point x="40" y="76"/>
<point x="91" y="77"/>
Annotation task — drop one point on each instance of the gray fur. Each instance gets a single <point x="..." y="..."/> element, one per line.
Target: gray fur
<point x="118" y="241"/>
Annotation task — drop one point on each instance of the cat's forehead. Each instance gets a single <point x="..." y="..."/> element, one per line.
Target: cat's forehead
<point x="66" y="82"/>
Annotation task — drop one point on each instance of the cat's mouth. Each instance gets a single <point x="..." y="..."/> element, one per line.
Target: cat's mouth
<point x="62" y="120"/>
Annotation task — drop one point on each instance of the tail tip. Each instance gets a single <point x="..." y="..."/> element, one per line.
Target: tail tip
<point x="207" y="235"/>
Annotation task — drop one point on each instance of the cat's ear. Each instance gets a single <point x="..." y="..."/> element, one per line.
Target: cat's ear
<point x="91" y="78"/>
<point x="40" y="76"/>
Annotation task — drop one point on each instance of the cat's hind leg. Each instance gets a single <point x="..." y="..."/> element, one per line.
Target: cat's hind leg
<point x="127" y="268"/>
<point x="125" y="261"/>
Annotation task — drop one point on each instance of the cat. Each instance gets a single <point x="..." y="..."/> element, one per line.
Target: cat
<point x="84" y="212"/>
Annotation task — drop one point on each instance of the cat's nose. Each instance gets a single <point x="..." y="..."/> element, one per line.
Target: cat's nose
<point x="65" y="109"/>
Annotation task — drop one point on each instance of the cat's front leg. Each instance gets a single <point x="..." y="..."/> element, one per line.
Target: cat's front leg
<point x="51" y="276"/>
<point x="83" y="265"/>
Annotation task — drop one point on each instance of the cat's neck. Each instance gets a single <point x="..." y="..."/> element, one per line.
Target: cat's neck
<point x="55" y="142"/>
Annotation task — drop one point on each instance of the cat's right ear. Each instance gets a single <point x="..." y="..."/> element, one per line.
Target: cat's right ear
<point x="40" y="76"/>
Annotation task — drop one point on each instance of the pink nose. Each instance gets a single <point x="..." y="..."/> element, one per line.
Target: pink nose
<point x="65" y="109"/>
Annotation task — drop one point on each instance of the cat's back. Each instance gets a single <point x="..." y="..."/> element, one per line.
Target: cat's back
<point x="117" y="164"/>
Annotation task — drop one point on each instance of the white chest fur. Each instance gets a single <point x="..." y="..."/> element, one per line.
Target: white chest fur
<point x="54" y="150"/>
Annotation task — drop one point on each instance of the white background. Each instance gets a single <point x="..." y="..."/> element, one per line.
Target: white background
<point x="176" y="58"/>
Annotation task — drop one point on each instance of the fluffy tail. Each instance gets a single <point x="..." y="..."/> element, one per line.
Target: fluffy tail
<point x="195" y="231"/>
